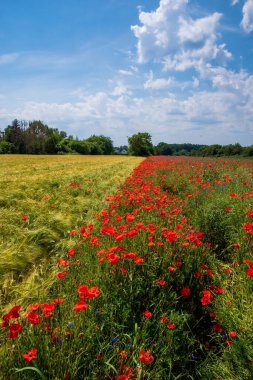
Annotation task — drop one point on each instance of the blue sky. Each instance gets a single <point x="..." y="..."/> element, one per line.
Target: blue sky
<point x="180" y="70"/>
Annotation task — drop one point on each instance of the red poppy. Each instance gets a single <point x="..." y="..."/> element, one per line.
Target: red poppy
<point x="122" y="377"/>
<point x="145" y="357"/>
<point x="81" y="305"/>
<point x="185" y="292"/>
<point x="71" y="252"/>
<point x="171" y="326"/>
<point x="250" y="272"/>
<point x="33" y="306"/>
<point x="206" y="299"/>
<point x="61" y="274"/>
<point x="14" y="329"/>
<point x="48" y="309"/>
<point x="33" y="318"/>
<point x="14" y="312"/>
<point x="147" y="314"/>
<point x="31" y="355"/>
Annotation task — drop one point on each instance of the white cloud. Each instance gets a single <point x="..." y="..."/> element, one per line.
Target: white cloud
<point x="130" y="72"/>
<point x="159" y="83"/>
<point x="222" y="78"/>
<point x="120" y="89"/>
<point x="125" y="72"/>
<point x="202" y="115"/>
<point x="198" y="30"/>
<point x="234" y="2"/>
<point x="157" y="35"/>
<point x="170" y="36"/>
<point x="8" y="58"/>
<point x="247" y="20"/>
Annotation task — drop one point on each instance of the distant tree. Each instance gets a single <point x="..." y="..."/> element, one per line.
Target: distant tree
<point x="248" y="151"/>
<point x="232" y="149"/>
<point x="140" y="144"/>
<point x="65" y="146"/>
<point x="63" y="135"/>
<point x="36" y="136"/>
<point x="81" y="147"/>
<point x="15" y="134"/>
<point x="6" y="147"/>
<point x="163" y="149"/>
<point x="100" y="144"/>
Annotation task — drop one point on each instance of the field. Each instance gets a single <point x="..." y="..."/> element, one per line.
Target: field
<point x="42" y="199"/>
<point x="156" y="284"/>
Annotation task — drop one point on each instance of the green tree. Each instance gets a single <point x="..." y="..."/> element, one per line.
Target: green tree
<point x="36" y="136"/>
<point x="140" y="144"/>
<point x="15" y="134"/>
<point x="164" y="149"/>
<point x="100" y="144"/>
<point x="6" y="147"/>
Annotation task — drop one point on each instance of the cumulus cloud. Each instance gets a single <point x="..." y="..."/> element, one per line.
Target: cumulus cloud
<point x="170" y="36"/>
<point x="158" y="33"/>
<point x="234" y="2"/>
<point x="247" y="20"/>
<point x="198" y="30"/>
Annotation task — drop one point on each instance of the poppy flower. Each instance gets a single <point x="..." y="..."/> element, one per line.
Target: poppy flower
<point x="249" y="272"/>
<point x="147" y="314"/>
<point x="206" y="299"/>
<point x="47" y="309"/>
<point x="171" y="326"/>
<point x="31" y="355"/>
<point x="14" y="329"/>
<point x="33" y="318"/>
<point x="145" y="357"/>
<point x="122" y="377"/>
<point x="81" y="305"/>
<point x="61" y="274"/>
<point x="185" y="292"/>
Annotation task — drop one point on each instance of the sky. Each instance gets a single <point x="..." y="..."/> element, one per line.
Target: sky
<point x="181" y="70"/>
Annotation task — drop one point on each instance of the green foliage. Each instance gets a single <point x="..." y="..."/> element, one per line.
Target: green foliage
<point x="103" y="144"/>
<point x="163" y="149"/>
<point x="140" y="145"/>
<point x="6" y="147"/>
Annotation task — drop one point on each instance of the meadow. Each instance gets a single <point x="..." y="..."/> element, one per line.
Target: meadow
<point x="156" y="284"/>
<point x="42" y="199"/>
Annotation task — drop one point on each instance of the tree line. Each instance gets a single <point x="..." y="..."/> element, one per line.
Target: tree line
<point x="35" y="137"/>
